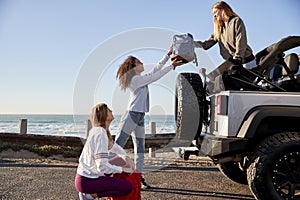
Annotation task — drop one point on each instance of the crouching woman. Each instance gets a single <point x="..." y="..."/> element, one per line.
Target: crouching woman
<point x="93" y="178"/>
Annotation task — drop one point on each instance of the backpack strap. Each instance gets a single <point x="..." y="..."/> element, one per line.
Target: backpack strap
<point x="196" y="60"/>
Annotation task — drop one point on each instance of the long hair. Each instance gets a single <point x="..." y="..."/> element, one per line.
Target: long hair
<point x="126" y="72"/>
<point x="98" y="117"/>
<point x="219" y="24"/>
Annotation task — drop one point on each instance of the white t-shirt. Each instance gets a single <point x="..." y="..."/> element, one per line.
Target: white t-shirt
<point x="93" y="161"/>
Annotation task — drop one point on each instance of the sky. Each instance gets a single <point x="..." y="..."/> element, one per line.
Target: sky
<point x="61" y="57"/>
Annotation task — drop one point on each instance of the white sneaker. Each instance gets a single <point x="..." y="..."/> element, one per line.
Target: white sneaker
<point x="83" y="196"/>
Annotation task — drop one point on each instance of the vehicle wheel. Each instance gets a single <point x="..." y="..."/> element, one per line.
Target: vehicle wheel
<point x="233" y="171"/>
<point x="274" y="171"/>
<point x="189" y="103"/>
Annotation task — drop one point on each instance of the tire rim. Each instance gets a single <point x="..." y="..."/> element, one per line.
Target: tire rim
<point x="286" y="175"/>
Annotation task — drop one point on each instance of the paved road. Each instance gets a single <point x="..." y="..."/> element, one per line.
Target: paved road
<point x="41" y="179"/>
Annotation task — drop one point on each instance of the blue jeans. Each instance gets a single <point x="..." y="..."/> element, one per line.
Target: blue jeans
<point x="132" y="123"/>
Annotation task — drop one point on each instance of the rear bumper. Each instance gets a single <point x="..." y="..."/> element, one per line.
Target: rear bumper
<point x="213" y="146"/>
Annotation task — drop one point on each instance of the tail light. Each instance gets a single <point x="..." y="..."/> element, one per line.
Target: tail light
<point x="222" y="105"/>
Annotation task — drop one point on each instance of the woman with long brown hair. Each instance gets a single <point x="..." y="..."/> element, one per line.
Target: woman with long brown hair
<point x="132" y="122"/>
<point x="94" y="169"/>
<point x="230" y="34"/>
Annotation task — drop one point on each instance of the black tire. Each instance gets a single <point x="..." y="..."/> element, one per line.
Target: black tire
<point x="189" y="105"/>
<point x="274" y="171"/>
<point x="233" y="171"/>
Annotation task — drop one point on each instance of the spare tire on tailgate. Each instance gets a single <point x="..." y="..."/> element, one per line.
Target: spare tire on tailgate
<point x="189" y="105"/>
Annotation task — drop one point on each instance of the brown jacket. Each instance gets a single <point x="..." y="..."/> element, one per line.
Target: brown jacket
<point x="233" y="41"/>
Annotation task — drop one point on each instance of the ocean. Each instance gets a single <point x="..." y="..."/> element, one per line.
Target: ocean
<point x="75" y="125"/>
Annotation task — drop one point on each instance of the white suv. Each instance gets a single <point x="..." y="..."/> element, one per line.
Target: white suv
<point x="248" y="121"/>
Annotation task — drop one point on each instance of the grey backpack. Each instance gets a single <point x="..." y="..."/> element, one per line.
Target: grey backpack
<point x="184" y="48"/>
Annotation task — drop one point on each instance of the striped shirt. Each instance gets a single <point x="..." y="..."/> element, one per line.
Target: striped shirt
<point x="93" y="161"/>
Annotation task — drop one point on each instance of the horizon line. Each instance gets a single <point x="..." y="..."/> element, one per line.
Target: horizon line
<point x="72" y="114"/>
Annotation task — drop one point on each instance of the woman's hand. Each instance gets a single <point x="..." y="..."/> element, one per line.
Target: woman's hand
<point x="127" y="169"/>
<point x="177" y="63"/>
<point x="129" y="166"/>
<point x="130" y="162"/>
<point x="199" y="44"/>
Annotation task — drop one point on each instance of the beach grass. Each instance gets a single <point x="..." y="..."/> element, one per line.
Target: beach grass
<point x="44" y="150"/>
